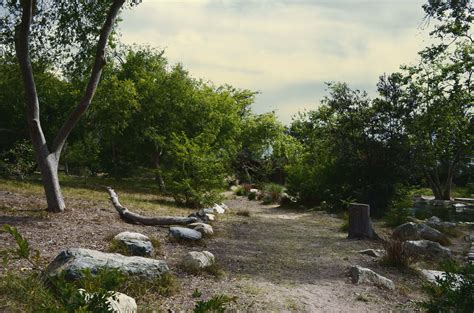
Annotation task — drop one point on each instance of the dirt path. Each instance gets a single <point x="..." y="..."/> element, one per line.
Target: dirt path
<point x="275" y="259"/>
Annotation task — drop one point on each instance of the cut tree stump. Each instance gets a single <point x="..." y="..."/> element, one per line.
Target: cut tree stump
<point x="360" y="225"/>
<point x="135" y="218"/>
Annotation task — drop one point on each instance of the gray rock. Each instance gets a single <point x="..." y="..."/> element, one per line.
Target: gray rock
<point x="435" y="221"/>
<point x="185" y="233"/>
<point x="196" y="260"/>
<point x="376" y="253"/>
<point x="73" y="261"/>
<point x="432" y="275"/>
<point x="136" y="243"/>
<point x="203" y="228"/>
<point x="428" y="249"/>
<point x="361" y="275"/>
<point x="203" y="216"/>
<point x="412" y="231"/>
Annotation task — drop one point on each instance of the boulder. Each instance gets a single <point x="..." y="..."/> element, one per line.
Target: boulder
<point x="203" y="215"/>
<point x="185" y="233"/>
<point x="427" y="248"/>
<point x="203" y="228"/>
<point x="361" y="275"/>
<point x="412" y="231"/>
<point x="73" y="261"/>
<point x="435" y="221"/>
<point x="136" y="243"/>
<point x="196" y="260"/>
<point x="376" y="253"/>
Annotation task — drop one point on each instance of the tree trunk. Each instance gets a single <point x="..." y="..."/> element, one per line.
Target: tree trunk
<point x="135" y="218"/>
<point x="158" y="176"/>
<point x="360" y="225"/>
<point x="49" y="174"/>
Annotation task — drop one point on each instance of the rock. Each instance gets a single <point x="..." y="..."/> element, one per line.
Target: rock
<point x="185" y="233"/>
<point x="118" y="302"/>
<point x="136" y="243"/>
<point x="218" y="209"/>
<point x="432" y="275"/>
<point x="203" y="216"/>
<point x="372" y="252"/>
<point x="435" y="221"/>
<point x="361" y="275"/>
<point x="73" y="261"/>
<point x="465" y="200"/>
<point x="121" y="303"/>
<point x="427" y="248"/>
<point x="205" y="211"/>
<point x="253" y="190"/>
<point x="224" y="206"/>
<point x="203" y="228"/>
<point x="412" y="231"/>
<point x="196" y="260"/>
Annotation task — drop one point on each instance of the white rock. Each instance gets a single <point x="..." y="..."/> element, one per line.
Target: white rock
<point x="376" y="253"/>
<point x="361" y="275"/>
<point x="127" y="235"/>
<point x="218" y="209"/>
<point x="121" y="303"/>
<point x="224" y="206"/>
<point x="196" y="260"/>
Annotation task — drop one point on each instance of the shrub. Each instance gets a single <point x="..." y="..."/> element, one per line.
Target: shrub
<point x="396" y="255"/>
<point x="399" y="212"/>
<point x="216" y="304"/>
<point x="345" y="222"/>
<point x="272" y="193"/>
<point x="252" y="196"/>
<point x="453" y="292"/>
<point x="19" y="161"/>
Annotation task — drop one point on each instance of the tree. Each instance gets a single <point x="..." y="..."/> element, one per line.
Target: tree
<point x="47" y="32"/>
<point x="438" y="96"/>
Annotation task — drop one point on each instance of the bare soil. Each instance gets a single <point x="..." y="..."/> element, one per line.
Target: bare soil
<point x="276" y="259"/>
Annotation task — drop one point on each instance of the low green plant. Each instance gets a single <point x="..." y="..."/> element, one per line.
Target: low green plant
<point x="252" y="196"/>
<point x="452" y="292"/>
<point x="245" y="213"/>
<point x="272" y="193"/>
<point x="345" y="222"/>
<point x="117" y="246"/>
<point x="217" y="304"/>
<point x="197" y="293"/>
<point x="214" y="269"/>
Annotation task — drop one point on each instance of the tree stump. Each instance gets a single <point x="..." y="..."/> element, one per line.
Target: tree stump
<point x="360" y="225"/>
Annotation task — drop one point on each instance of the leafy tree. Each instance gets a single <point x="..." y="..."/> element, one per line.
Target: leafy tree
<point x="62" y="33"/>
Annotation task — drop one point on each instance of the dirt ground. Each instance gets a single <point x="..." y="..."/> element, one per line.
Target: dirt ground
<point x="276" y="259"/>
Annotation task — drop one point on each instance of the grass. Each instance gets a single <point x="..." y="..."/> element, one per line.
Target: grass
<point x="214" y="270"/>
<point x="134" y="193"/>
<point x="396" y="255"/>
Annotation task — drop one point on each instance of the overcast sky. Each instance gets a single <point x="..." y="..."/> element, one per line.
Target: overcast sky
<point x="284" y="49"/>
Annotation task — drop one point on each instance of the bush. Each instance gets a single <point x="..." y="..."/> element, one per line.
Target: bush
<point x="396" y="255"/>
<point x="19" y="161"/>
<point x="272" y="193"/>
<point x="454" y="292"/>
<point x="216" y="304"/>
<point x="345" y="223"/>
<point x="399" y="212"/>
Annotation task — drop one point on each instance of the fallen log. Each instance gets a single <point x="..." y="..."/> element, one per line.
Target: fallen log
<point x="135" y="218"/>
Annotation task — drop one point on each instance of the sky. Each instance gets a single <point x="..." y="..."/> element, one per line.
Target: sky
<point x="284" y="49"/>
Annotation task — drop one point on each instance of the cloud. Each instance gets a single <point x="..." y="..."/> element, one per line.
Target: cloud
<point x="284" y="49"/>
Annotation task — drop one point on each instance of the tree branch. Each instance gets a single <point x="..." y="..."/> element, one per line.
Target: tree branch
<point x="94" y="79"/>
<point x="22" y="34"/>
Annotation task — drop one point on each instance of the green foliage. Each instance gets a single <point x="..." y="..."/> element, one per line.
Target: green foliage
<point x="396" y="255"/>
<point x="197" y="293"/>
<point x="23" y="250"/>
<point x="453" y="292"/>
<point x="399" y="211"/>
<point x="19" y="161"/>
<point x="272" y="193"/>
<point x="217" y="304"/>
<point x="345" y="222"/>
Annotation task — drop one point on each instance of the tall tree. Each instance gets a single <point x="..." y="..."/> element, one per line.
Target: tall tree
<point x="54" y="31"/>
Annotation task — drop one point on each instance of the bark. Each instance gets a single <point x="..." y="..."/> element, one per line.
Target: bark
<point x="48" y="160"/>
<point x="158" y="176"/>
<point x="135" y="218"/>
<point x="360" y="225"/>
